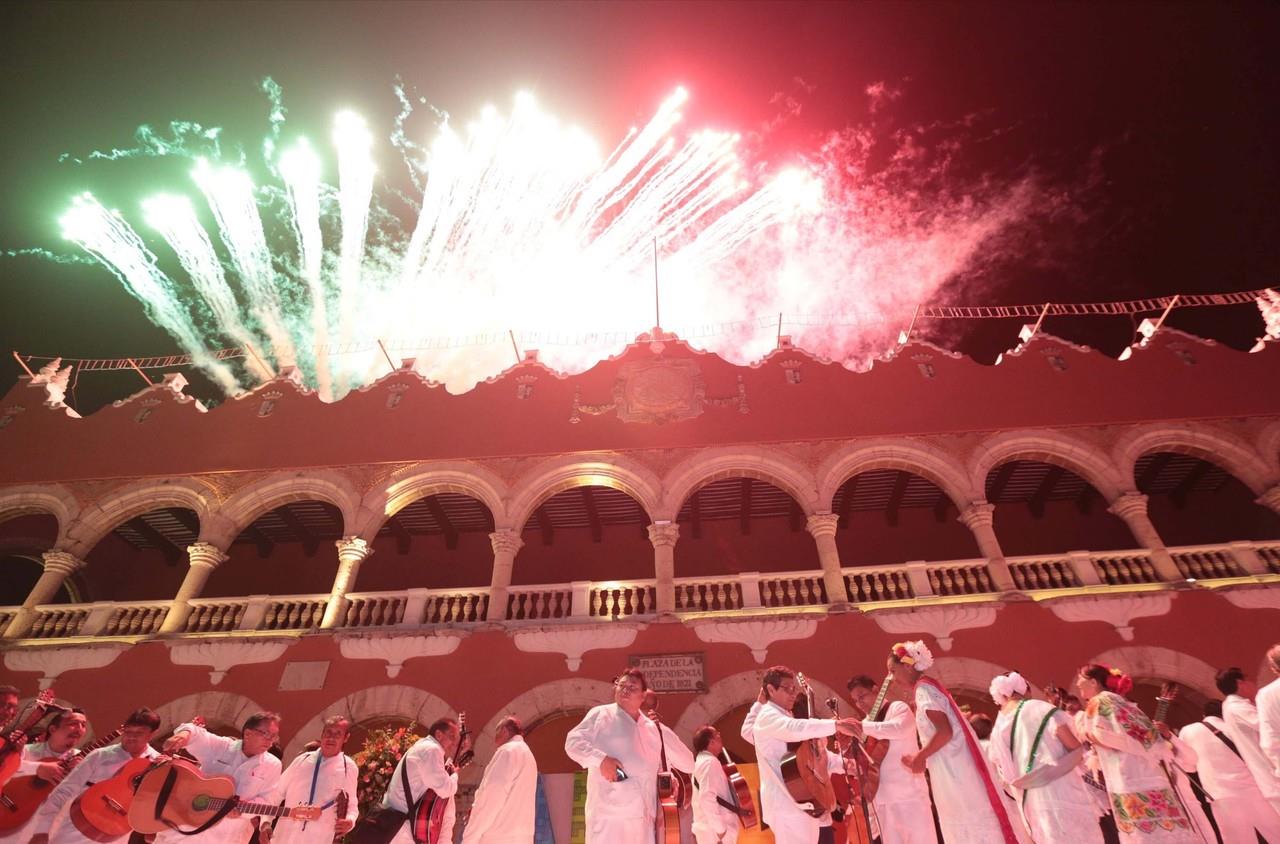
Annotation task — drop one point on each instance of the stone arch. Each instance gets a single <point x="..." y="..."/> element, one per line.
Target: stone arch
<point x="918" y="458"/>
<point x="251" y="502"/>
<point x="426" y="480"/>
<point x="1268" y="445"/>
<point x="224" y="707"/>
<point x="974" y="675"/>
<point x="1210" y="444"/>
<point x="537" y="703"/>
<point x="1053" y="447"/>
<point x="122" y="504"/>
<point x="712" y="465"/>
<point x="1151" y="661"/>
<point x="390" y="701"/>
<point x="53" y="500"/>
<point x="734" y="690"/>
<point x="569" y="471"/>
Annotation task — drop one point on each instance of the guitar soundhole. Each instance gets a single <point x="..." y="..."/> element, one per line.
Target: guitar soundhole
<point x="200" y="803"/>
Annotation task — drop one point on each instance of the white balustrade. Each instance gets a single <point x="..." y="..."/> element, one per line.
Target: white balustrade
<point x="799" y="589"/>
<point x="1269" y="553"/>
<point x="539" y="603"/>
<point x="702" y="594"/>
<point x="1125" y="568"/>
<point x="456" y="606"/>
<point x="613" y="599"/>
<point x="967" y="577"/>
<point x="1206" y="562"/>
<point x="867" y="585"/>
<point x="1032" y="573"/>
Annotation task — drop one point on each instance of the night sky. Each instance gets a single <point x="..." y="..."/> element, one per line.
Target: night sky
<point x="1159" y="120"/>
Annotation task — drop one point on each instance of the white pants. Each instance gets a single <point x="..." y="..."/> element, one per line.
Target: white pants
<point x="1238" y="817"/>
<point x="794" y="828"/>
<point x="906" y="822"/>
<point x="620" y="831"/>
<point x="705" y="836"/>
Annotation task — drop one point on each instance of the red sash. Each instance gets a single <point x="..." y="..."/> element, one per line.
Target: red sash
<point x="980" y="762"/>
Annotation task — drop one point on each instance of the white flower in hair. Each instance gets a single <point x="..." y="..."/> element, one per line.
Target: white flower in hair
<point x="1004" y="686"/>
<point x="921" y="654"/>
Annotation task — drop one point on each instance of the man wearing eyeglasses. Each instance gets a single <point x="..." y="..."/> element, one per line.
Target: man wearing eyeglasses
<point x="621" y="750"/>
<point x="245" y="760"/>
<point x="317" y="778"/>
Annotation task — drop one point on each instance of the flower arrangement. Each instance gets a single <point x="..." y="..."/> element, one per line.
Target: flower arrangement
<point x="1004" y="686"/>
<point x="377" y="762"/>
<point x="915" y="654"/>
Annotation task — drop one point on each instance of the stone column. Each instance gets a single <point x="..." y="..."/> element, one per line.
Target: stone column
<point x="203" y="559"/>
<point x="352" y="551"/>
<point x="58" y="566"/>
<point x="1270" y="499"/>
<point x="1132" y="507"/>
<point x="822" y="528"/>
<point x="979" y="517"/>
<point x="506" y="544"/>
<point x="663" y="535"/>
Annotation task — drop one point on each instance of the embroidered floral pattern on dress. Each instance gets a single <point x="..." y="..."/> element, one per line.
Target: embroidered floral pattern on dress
<point x="1147" y="811"/>
<point x="1128" y="717"/>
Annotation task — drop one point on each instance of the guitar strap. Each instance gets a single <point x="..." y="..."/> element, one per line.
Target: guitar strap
<point x="1228" y="742"/>
<point x="166" y="790"/>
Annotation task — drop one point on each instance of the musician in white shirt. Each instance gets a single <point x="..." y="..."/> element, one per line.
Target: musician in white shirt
<point x="713" y="821"/>
<point x="902" y="808"/>
<point x="1242" y="722"/>
<point x="44" y="759"/>
<point x="316" y="778"/>
<point x="769" y="725"/>
<point x="52" y="823"/>
<point x="622" y="751"/>
<point x="1269" y="713"/>
<point x="429" y="765"/>
<point x="503" y="810"/>
<point x="245" y="760"/>
<point x="1238" y="805"/>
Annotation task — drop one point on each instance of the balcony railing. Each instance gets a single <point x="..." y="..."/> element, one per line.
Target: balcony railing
<point x="602" y="602"/>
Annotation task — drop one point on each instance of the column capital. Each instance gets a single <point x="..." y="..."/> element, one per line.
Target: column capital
<point x="202" y="554"/>
<point x="61" y="562"/>
<point x="978" y="514"/>
<point x="1128" y="504"/>
<point x="353" y="548"/>
<point x="1270" y="499"/>
<point x="506" y="541"/>
<point x="822" y="524"/>
<point x="664" y="534"/>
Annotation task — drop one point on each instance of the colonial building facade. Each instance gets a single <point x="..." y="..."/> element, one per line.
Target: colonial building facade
<point x="404" y="553"/>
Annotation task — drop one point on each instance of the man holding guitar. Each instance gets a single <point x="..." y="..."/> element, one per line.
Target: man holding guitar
<point x="715" y="816"/>
<point x="622" y="751"/>
<point x="900" y="798"/>
<point x="429" y="766"/>
<point x="245" y="760"/>
<point x="318" y="778"/>
<point x="44" y="764"/>
<point x="53" y="823"/>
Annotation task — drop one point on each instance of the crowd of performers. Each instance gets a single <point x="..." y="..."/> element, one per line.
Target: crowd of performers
<point x="1080" y="768"/>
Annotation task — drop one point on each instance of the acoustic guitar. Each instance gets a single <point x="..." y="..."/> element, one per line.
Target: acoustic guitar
<point x="23" y="795"/>
<point x="428" y="815"/>
<point x="671" y="794"/>
<point x="11" y="745"/>
<point x="743" y="804"/>
<point x="876" y="748"/>
<point x="804" y="768"/>
<point x="857" y="770"/>
<point x="174" y="795"/>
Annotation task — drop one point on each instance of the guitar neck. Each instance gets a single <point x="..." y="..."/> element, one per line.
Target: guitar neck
<point x="251" y="808"/>
<point x="76" y="758"/>
<point x="1163" y="702"/>
<point x="884" y="692"/>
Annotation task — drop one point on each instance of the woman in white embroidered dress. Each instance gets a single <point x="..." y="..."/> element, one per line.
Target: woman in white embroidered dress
<point x="1130" y="750"/>
<point x="1035" y="751"/>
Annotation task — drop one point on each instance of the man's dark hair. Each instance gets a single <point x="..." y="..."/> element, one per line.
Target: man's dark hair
<point x="1228" y="680"/>
<point x="334" y="720"/>
<point x="443" y="725"/>
<point x="143" y="717"/>
<point x="636" y="674"/>
<point x="861" y="681"/>
<point x="981" y="724"/>
<point x="702" y="738"/>
<point x="512" y="725"/>
<point x="775" y="675"/>
<point x="257" y="719"/>
<point x="1213" y="709"/>
<point x="62" y="714"/>
<point x="10" y="691"/>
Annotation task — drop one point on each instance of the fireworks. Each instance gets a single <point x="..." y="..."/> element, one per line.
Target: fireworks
<point x="523" y="226"/>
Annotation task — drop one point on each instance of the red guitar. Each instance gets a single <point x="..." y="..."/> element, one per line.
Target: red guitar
<point x="23" y="795"/>
<point x="11" y="747"/>
<point x="428" y="817"/>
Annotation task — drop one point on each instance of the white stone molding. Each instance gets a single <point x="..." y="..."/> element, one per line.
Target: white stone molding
<point x="222" y="656"/>
<point x="573" y="642"/>
<point x="120" y="505"/>
<point x="1253" y="597"/>
<point x="1049" y="446"/>
<point x="567" y="471"/>
<point x="715" y="464"/>
<point x="915" y="457"/>
<point x="216" y="708"/>
<point x="427" y="479"/>
<point x="246" y="505"/>
<point x="52" y="663"/>
<point x="757" y="633"/>
<point x="549" y="699"/>
<point x="395" y="651"/>
<point x="375" y="702"/>
<point x="1197" y="439"/>
<point x="1155" y="663"/>
<point x="48" y="499"/>
<point x="939" y="622"/>
<point x="1119" y="611"/>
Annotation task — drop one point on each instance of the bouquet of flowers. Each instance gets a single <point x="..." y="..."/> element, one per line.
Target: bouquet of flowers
<point x="377" y="762"/>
